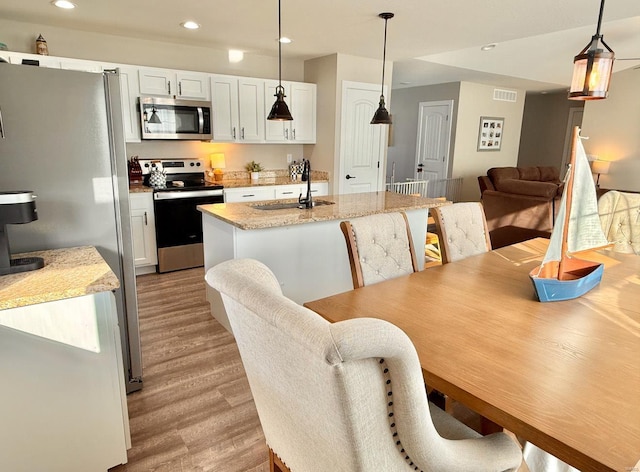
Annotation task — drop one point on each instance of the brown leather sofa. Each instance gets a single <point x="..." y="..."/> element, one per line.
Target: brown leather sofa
<point x="520" y="202"/>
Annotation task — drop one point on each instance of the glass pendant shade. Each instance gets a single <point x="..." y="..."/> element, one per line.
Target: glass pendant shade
<point x="592" y="68"/>
<point x="280" y="110"/>
<point x="381" y="116"/>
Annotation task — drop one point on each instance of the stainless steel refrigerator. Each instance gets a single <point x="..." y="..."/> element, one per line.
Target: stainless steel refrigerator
<point x="61" y="136"/>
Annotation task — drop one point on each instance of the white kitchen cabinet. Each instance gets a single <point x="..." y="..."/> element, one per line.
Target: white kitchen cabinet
<point x="238" y="109"/>
<point x="129" y="92"/>
<point x="44" y="61"/>
<point x="295" y="190"/>
<point x="301" y="99"/>
<point x="181" y="84"/>
<point x="143" y="230"/>
<point x="249" y="194"/>
<point x="83" y="66"/>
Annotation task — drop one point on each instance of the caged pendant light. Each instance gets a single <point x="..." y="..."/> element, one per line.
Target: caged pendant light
<point x="381" y="116"/>
<point x="279" y="110"/>
<point x="592" y="68"/>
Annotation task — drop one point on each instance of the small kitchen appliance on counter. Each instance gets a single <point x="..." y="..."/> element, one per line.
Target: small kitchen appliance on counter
<point x="16" y="208"/>
<point x="178" y="221"/>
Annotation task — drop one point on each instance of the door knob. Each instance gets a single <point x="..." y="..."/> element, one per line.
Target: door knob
<point x="350" y="177"/>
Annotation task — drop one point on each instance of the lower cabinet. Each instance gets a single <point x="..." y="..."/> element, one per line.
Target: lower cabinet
<point x="143" y="229"/>
<point x="273" y="192"/>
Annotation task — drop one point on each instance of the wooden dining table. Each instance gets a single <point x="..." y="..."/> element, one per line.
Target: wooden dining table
<point x="563" y="375"/>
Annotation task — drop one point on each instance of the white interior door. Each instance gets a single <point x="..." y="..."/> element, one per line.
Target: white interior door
<point x="363" y="145"/>
<point x="434" y="136"/>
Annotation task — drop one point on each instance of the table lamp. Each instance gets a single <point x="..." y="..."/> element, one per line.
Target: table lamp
<point x="217" y="164"/>
<point x="599" y="167"/>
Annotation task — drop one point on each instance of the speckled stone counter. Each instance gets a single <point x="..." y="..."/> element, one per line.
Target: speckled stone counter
<point x="67" y="273"/>
<point x="247" y="216"/>
<point x="139" y="188"/>
<point x="241" y="179"/>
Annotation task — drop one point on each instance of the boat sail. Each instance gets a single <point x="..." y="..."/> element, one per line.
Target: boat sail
<point x="561" y="276"/>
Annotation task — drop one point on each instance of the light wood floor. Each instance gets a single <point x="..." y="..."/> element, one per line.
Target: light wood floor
<point x="195" y="412"/>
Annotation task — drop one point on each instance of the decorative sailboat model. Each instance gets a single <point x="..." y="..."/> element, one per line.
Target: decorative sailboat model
<point x="562" y="276"/>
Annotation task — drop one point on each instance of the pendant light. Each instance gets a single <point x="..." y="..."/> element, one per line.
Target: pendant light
<point x="279" y="110"/>
<point x="381" y="116"/>
<point x="592" y="68"/>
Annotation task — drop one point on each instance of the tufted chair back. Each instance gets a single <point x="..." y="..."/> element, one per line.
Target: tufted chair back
<point x="380" y="248"/>
<point x="620" y="219"/>
<point x="462" y="230"/>
<point x="345" y="396"/>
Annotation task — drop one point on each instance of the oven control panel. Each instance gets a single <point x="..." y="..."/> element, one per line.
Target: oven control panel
<point x="181" y="166"/>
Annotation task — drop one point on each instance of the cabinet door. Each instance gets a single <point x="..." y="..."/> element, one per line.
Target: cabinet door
<point x="303" y="109"/>
<point x="194" y="86"/>
<point x="143" y="229"/>
<point x="129" y="97"/>
<point x="251" y="110"/>
<point x="157" y="82"/>
<point x="249" y="194"/>
<point x="275" y="131"/>
<point x="224" y="102"/>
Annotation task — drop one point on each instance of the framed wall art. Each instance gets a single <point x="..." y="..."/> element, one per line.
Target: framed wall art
<point x="490" y="133"/>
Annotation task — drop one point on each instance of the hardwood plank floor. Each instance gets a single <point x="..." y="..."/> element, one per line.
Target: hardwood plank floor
<point x="195" y="412"/>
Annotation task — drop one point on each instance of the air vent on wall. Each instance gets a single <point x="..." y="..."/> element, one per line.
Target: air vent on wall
<point x="505" y="95"/>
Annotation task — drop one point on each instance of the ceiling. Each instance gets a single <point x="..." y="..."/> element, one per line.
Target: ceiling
<point x="429" y="41"/>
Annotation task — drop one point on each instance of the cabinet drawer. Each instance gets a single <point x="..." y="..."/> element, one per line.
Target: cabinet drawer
<point x="249" y="194"/>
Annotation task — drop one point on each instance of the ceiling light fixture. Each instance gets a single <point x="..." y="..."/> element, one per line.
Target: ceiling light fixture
<point x="235" y="55"/>
<point x="381" y="116"/>
<point x="63" y="4"/>
<point x="285" y="40"/>
<point x="488" y="47"/>
<point x="592" y="68"/>
<point x="192" y="25"/>
<point x="279" y="110"/>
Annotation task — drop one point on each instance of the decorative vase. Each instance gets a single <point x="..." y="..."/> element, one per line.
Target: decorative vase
<point x="255" y="175"/>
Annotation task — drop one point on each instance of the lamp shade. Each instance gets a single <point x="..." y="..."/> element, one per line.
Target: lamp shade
<point x="217" y="160"/>
<point x="600" y="167"/>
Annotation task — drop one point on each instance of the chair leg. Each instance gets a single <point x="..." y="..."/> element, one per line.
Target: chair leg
<point x="275" y="463"/>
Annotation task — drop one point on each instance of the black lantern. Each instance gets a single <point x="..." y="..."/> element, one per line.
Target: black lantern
<point x="381" y="116"/>
<point x="592" y="68"/>
<point x="279" y="110"/>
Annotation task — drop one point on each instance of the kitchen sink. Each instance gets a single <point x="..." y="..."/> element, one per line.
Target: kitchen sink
<point x="284" y="206"/>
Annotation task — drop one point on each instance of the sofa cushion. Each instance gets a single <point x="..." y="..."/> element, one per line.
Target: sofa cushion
<point x="527" y="187"/>
<point x="529" y="173"/>
<point x="500" y="173"/>
<point x="549" y="174"/>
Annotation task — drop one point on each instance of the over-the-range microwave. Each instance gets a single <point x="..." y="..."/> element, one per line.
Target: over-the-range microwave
<point x="168" y="118"/>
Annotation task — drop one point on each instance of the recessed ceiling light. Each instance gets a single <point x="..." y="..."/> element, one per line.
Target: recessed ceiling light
<point x="192" y="25"/>
<point x="405" y="83"/>
<point x="235" y="55"/>
<point x="63" y="4"/>
<point x="488" y="47"/>
<point x="285" y="40"/>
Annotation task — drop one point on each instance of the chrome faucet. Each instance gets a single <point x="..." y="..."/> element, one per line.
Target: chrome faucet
<point x="306" y="176"/>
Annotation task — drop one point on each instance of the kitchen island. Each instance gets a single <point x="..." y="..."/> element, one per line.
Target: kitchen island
<point x="63" y="402"/>
<point x="304" y="248"/>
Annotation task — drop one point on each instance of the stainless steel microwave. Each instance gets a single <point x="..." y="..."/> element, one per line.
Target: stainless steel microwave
<point x="168" y="118"/>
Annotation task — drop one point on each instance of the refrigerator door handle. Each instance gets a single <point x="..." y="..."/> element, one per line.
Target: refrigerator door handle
<point x="1" y="125"/>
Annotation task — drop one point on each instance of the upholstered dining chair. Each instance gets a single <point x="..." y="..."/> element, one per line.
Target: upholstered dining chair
<point x="380" y="247"/>
<point x="345" y="396"/>
<point x="620" y="219"/>
<point x="462" y="230"/>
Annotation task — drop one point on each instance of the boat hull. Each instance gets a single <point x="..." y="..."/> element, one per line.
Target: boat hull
<point x="554" y="290"/>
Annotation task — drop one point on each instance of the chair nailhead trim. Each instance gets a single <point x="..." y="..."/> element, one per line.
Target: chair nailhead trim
<point x="392" y="424"/>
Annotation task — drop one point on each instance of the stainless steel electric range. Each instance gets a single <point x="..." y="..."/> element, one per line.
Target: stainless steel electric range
<point x="178" y="222"/>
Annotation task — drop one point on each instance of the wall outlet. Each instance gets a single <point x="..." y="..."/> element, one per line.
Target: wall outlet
<point x="289" y="158"/>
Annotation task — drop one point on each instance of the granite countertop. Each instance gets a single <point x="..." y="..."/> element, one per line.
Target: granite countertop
<point x="67" y="273"/>
<point x="245" y="216"/>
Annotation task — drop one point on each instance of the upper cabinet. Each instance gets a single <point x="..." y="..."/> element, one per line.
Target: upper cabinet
<point x="165" y="82"/>
<point x="129" y="92"/>
<point x="301" y="99"/>
<point x="238" y="109"/>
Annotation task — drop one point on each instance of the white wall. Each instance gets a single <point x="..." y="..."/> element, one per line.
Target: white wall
<point x="613" y="128"/>
<point x="476" y="100"/>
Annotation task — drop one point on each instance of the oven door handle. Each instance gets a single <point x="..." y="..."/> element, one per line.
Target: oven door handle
<point x="179" y="194"/>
